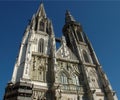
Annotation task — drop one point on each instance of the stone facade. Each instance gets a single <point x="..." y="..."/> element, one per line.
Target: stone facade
<point x="71" y="72"/>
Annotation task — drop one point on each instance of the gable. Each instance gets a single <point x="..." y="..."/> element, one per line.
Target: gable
<point x="66" y="53"/>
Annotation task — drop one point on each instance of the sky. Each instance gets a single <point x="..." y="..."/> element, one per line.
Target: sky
<point x="100" y="21"/>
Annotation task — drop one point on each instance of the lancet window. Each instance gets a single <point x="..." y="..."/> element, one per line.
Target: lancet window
<point x="41" y="45"/>
<point x="86" y="57"/>
<point x="41" y="26"/>
<point x="63" y="78"/>
<point x="75" y="79"/>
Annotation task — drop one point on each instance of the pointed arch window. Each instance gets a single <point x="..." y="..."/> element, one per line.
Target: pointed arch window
<point x="41" y="26"/>
<point x="63" y="78"/>
<point x="75" y="79"/>
<point x="86" y="57"/>
<point x="41" y="46"/>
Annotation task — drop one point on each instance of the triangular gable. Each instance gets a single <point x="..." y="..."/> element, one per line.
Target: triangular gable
<point x="65" y="52"/>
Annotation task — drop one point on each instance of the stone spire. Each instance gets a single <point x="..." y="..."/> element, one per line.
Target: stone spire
<point x="71" y="72"/>
<point x="69" y="17"/>
<point x="41" y="11"/>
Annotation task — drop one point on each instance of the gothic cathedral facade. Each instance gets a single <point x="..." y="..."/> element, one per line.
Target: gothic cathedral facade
<point x="71" y="72"/>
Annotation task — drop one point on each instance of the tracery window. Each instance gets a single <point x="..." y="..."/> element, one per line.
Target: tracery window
<point x="63" y="78"/>
<point x="75" y="79"/>
<point x="41" y="46"/>
<point x="86" y="57"/>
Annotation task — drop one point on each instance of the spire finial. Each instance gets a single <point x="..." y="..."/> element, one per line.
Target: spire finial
<point x="68" y="17"/>
<point x="41" y="10"/>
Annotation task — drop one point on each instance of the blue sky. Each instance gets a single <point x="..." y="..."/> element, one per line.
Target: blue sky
<point x="100" y="21"/>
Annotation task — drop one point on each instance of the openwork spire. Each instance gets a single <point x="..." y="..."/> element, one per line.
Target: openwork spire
<point x="69" y="17"/>
<point x="41" y="11"/>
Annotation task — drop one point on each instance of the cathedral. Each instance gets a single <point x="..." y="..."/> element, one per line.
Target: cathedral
<point x="71" y="72"/>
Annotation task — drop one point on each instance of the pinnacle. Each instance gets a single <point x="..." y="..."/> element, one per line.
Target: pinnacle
<point x="41" y="11"/>
<point x="68" y="17"/>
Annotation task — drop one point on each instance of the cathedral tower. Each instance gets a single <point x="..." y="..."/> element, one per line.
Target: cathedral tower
<point x="93" y="80"/>
<point x="71" y="72"/>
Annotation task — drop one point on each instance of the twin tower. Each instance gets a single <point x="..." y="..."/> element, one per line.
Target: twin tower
<point x="71" y="72"/>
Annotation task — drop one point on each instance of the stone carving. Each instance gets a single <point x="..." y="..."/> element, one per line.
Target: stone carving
<point x="38" y="95"/>
<point x="38" y="68"/>
<point x="67" y="74"/>
<point x="93" y="79"/>
<point x="58" y="93"/>
<point x="65" y="52"/>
